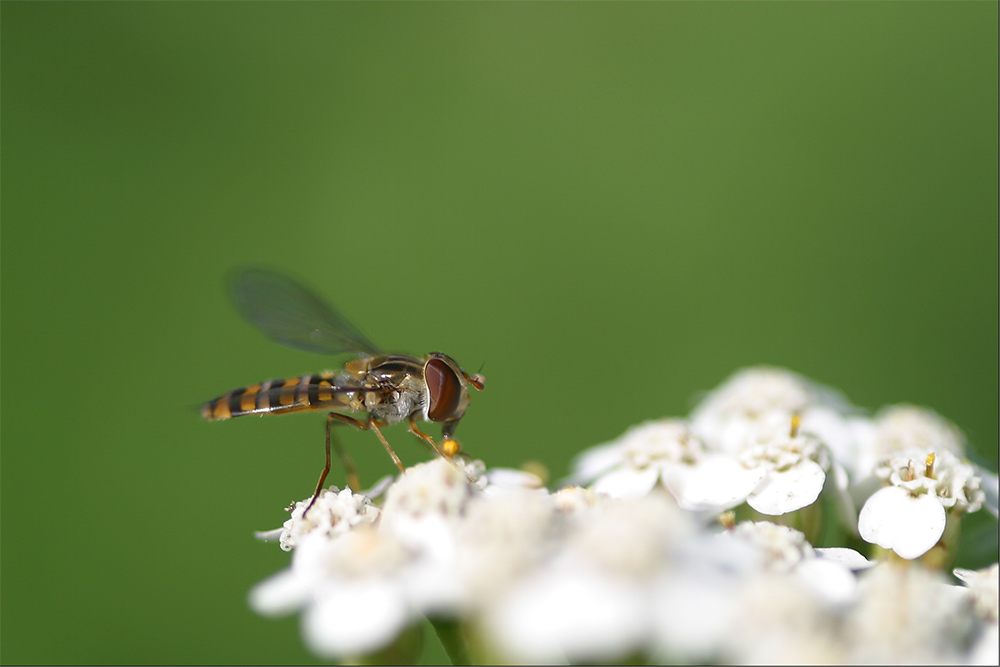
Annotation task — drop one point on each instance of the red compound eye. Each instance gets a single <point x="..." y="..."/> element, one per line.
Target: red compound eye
<point x="444" y="389"/>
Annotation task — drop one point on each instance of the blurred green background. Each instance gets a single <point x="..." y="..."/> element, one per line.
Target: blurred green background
<point x="611" y="207"/>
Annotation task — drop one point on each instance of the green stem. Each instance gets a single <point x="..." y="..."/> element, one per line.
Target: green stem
<point x="449" y="631"/>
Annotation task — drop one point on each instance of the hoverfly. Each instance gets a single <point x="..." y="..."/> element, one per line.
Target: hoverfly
<point x="389" y="388"/>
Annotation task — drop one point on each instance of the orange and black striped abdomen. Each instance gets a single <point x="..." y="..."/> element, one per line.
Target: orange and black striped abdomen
<point x="309" y="392"/>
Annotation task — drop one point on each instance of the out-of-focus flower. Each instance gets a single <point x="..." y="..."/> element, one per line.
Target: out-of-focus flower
<point x="779" y="619"/>
<point x="895" y="430"/>
<point x="784" y="550"/>
<point x="665" y="452"/>
<point x="984" y="588"/>
<point x="350" y="589"/>
<point x="907" y="613"/>
<point x="500" y="541"/>
<point x="903" y="428"/>
<point x="361" y="575"/>
<point x="754" y="399"/>
<point x="587" y="600"/>
<point x="558" y="614"/>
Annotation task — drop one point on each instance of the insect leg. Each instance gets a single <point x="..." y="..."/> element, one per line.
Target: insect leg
<point x="345" y="459"/>
<point x="373" y="423"/>
<point x="451" y="447"/>
<point x="425" y="437"/>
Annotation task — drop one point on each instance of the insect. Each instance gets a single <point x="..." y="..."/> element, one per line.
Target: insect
<point x="389" y="388"/>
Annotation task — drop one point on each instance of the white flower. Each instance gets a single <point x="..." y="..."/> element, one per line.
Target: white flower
<point x="423" y="509"/>
<point x="564" y="614"/>
<point x="991" y="489"/>
<point x="908" y="614"/>
<point x="496" y="481"/>
<point x="755" y="396"/>
<point x="666" y="452"/>
<point x="896" y="430"/>
<point x="501" y="539"/>
<point x="637" y="566"/>
<point x="908" y="427"/>
<point x="355" y="618"/>
<point x="849" y="558"/>
<point x="439" y="487"/>
<point x="779" y="619"/>
<point x="629" y="537"/>
<point x="575" y="499"/>
<point x="794" y="466"/>
<point x="908" y="524"/>
<point x="349" y="588"/>
<point x="588" y="598"/>
<point x="334" y="513"/>
<point x="753" y="392"/>
<point x="787" y="427"/>
<point x="361" y="575"/>
<point x="828" y="573"/>
<point x="910" y="516"/>
<point x="692" y="615"/>
<point x="782" y="547"/>
<point x="986" y="649"/>
<point x="984" y="587"/>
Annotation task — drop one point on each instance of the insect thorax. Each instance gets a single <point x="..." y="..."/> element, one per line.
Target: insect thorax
<point x="401" y="388"/>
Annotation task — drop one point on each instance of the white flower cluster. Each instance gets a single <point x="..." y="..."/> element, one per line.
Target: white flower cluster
<point x="775" y="441"/>
<point x="649" y="561"/>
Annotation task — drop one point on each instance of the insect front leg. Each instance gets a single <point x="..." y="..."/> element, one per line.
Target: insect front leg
<point x="451" y="448"/>
<point x="425" y="437"/>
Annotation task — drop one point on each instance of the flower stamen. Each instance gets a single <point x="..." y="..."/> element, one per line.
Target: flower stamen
<point x="796" y="423"/>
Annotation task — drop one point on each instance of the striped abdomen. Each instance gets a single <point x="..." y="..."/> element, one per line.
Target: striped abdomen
<point x="309" y="392"/>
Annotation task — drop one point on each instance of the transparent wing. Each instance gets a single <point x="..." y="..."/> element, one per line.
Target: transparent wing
<point x="289" y="313"/>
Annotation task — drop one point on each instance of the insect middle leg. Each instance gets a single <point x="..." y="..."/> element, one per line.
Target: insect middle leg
<point x="374" y="424"/>
<point x="352" y="472"/>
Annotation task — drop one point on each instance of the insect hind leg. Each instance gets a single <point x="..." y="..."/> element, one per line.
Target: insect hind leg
<point x="345" y="460"/>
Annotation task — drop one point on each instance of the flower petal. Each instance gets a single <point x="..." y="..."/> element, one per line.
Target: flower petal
<point x="988" y="483"/>
<point x="595" y="461"/>
<point x="627" y="482"/>
<point x="834" y="582"/>
<point x="281" y="594"/>
<point x="569" y="614"/>
<point x="715" y="483"/>
<point x="354" y="618"/>
<point x="849" y="558"/>
<point x="789" y="490"/>
<point x="268" y="535"/>
<point x="895" y="519"/>
<point x="846" y="510"/>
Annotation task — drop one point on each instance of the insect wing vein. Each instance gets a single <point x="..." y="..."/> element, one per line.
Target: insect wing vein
<point x="289" y="313"/>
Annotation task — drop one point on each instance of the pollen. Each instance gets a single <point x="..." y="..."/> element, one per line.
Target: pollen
<point x="451" y="448"/>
